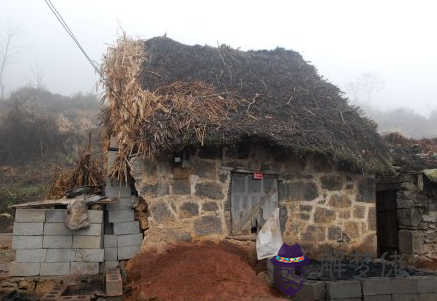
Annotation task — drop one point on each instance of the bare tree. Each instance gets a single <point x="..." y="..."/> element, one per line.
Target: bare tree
<point x="7" y="51"/>
<point x="38" y="78"/>
<point x="364" y="88"/>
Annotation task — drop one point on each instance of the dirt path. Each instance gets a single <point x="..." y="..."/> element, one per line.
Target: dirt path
<point x="6" y="254"/>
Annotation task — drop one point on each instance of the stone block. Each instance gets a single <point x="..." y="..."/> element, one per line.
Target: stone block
<point x="366" y="190"/>
<point x="208" y="225"/>
<point x="95" y="216"/>
<point x="314" y="233"/>
<point x="371" y="219"/>
<point x="410" y="217"/>
<point x="93" y="229"/>
<point x="332" y="182"/>
<point x="89" y="255"/>
<point x="87" y="242"/>
<point x="35" y="255"/>
<point x="385" y="286"/>
<point x="122" y="204"/>
<point x="159" y="189"/>
<point x="405" y="297"/>
<point x="339" y="201"/>
<point x="61" y="255"/>
<point x="26" y="242"/>
<point x="111" y="264"/>
<point x="24" y="268"/>
<point x="352" y="229"/>
<point x="283" y="217"/>
<point x="210" y="206"/>
<point x="127" y="252"/>
<point x="110" y="254"/>
<point x="114" y="283"/>
<point x="30" y="215"/>
<point x="161" y="212"/>
<point x="302" y="191"/>
<point x="209" y="190"/>
<point x="377" y="298"/>
<point x="204" y="169"/>
<point x="323" y="215"/>
<point x="126" y="228"/>
<point x="56" y="215"/>
<point x="84" y="268"/>
<point x="311" y="290"/>
<point x="55" y="268"/>
<point x="411" y="242"/>
<point x="130" y="240"/>
<point x="110" y="241"/>
<point x="343" y="289"/>
<point x="427" y="297"/>
<point x="28" y="228"/>
<point x="306" y="208"/>
<point x="118" y="191"/>
<point x="119" y="216"/>
<point x="359" y="211"/>
<point x="57" y="242"/>
<point x="427" y="285"/>
<point x="188" y="210"/>
<point x="334" y="233"/>
<point x="56" y="229"/>
<point x="181" y="187"/>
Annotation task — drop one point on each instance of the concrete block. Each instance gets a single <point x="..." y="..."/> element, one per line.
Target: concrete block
<point x="84" y="268"/>
<point x="111" y="264"/>
<point x="26" y="242"/>
<point x="122" y="204"/>
<point x="55" y="293"/>
<point x="311" y="290"/>
<point x="36" y="255"/>
<point x="28" y="228"/>
<point x="87" y="242"/>
<point x="110" y="241"/>
<point x="385" y="286"/>
<point x="95" y="216"/>
<point x="24" y="268"/>
<point x="61" y="255"/>
<point x="427" y="297"/>
<point x="343" y="289"/>
<point x="114" y="283"/>
<point x="56" y="215"/>
<point x="126" y="228"/>
<point x="127" y="252"/>
<point x="377" y="298"/>
<point x="119" y="216"/>
<point x="30" y="215"/>
<point x="130" y="240"/>
<point x="89" y="255"/>
<point x="118" y="191"/>
<point x="57" y="241"/>
<point x="110" y="253"/>
<point x="55" y="268"/>
<point x="56" y="229"/>
<point x="427" y="285"/>
<point x="405" y="297"/>
<point x="93" y="229"/>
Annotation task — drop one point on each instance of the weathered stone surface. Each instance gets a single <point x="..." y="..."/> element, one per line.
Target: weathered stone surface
<point x="371" y="218"/>
<point x="344" y="214"/>
<point x="127" y="252"/>
<point x="57" y="241"/>
<point x="403" y="203"/>
<point x="411" y="242"/>
<point x="181" y="187"/>
<point x="208" y="225"/>
<point x="210" y="206"/>
<point x="430" y="236"/>
<point x="110" y="241"/>
<point x="28" y="228"/>
<point x="61" y="255"/>
<point x="126" y="228"/>
<point x="223" y="177"/>
<point x="334" y="233"/>
<point x="189" y="209"/>
<point x="24" y="268"/>
<point x="366" y="190"/>
<point x="314" y="233"/>
<point x="323" y="215"/>
<point x="87" y="242"/>
<point x="130" y="240"/>
<point x="352" y="229"/>
<point x="56" y="215"/>
<point x="26" y="242"/>
<point x="359" y="211"/>
<point x="304" y="216"/>
<point x="30" y="215"/>
<point x="332" y="182"/>
<point x="283" y="216"/>
<point x="56" y="229"/>
<point x="306" y="208"/>
<point x="344" y="289"/>
<point x="302" y="191"/>
<point x="161" y="212"/>
<point x="178" y="235"/>
<point x="311" y="290"/>
<point x="209" y="190"/>
<point x="120" y="216"/>
<point x="114" y="283"/>
<point x="204" y="169"/>
<point x="36" y="255"/>
<point x="55" y="268"/>
<point x="409" y="217"/>
<point x="210" y="152"/>
<point x="84" y="268"/>
<point x="89" y="255"/>
<point x="427" y="285"/>
<point x="339" y="201"/>
<point x="159" y="189"/>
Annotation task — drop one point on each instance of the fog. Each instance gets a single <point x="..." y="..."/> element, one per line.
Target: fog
<point x="343" y="39"/>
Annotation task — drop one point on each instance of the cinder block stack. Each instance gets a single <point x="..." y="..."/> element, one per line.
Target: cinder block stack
<point x="45" y="247"/>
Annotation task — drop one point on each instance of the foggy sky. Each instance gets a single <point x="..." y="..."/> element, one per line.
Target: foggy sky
<point x="343" y="39"/>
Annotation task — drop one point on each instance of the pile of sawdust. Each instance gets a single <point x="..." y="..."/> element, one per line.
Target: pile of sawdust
<point x="197" y="272"/>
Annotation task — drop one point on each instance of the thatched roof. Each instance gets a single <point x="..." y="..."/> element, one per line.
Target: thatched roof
<point x="201" y="95"/>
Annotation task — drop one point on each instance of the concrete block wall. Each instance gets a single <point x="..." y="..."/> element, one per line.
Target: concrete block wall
<point x="45" y="247"/>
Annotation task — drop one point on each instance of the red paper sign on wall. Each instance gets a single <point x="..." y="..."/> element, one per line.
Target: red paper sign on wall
<point x="257" y="175"/>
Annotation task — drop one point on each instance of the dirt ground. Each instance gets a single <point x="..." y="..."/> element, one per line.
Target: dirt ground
<point x="208" y="271"/>
<point x="6" y="254"/>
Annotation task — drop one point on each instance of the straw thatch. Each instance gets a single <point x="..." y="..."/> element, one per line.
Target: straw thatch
<point x="164" y="96"/>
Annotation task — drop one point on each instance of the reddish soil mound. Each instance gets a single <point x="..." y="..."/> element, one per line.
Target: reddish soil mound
<point x="197" y="272"/>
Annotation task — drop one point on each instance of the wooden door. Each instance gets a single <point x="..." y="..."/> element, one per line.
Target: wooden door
<point x="387" y="222"/>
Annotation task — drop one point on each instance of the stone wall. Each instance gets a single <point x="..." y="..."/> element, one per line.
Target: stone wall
<point x="321" y="207"/>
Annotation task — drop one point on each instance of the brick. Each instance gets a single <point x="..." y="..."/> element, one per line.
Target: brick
<point x="427" y="297"/>
<point x="127" y="252"/>
<point x="28" y="228"/>
<point x="30" y="215"/>
<point x="36" y="255"/>
<point x="55" y="268"/>
<point x="384" y="286"/>
<point x="130" y="240"/>
<point x="110" y="241"/>
<point x="111" y="264"/>
<point x="57" y="242"/>
<point x="122" y="204"/>
<point x="56" y="229"/>
<point x="93" y="229"/>
<point x="114" y="283"/>
<point x="311" y="290"/>
<point x="118" y="191"/>
<point x="343" y="289"/>
<point x="61" y="255"/>
<point x="90" y="255"/>
<point x="56" y="215"/>
<point x="26" y="242"/>
<point x="427" y="285"/>
<point x="87" y="242"/>
<point x="84" y="268"/>
<point x="121" y="216"/>
<point x="405" y="297"/>
<point x="377" y="298"/>
<point x="110" y="254"/>
<point x="126" y="228"/>
<point x="24" y="269"/>
<point x="95" y="216"/>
